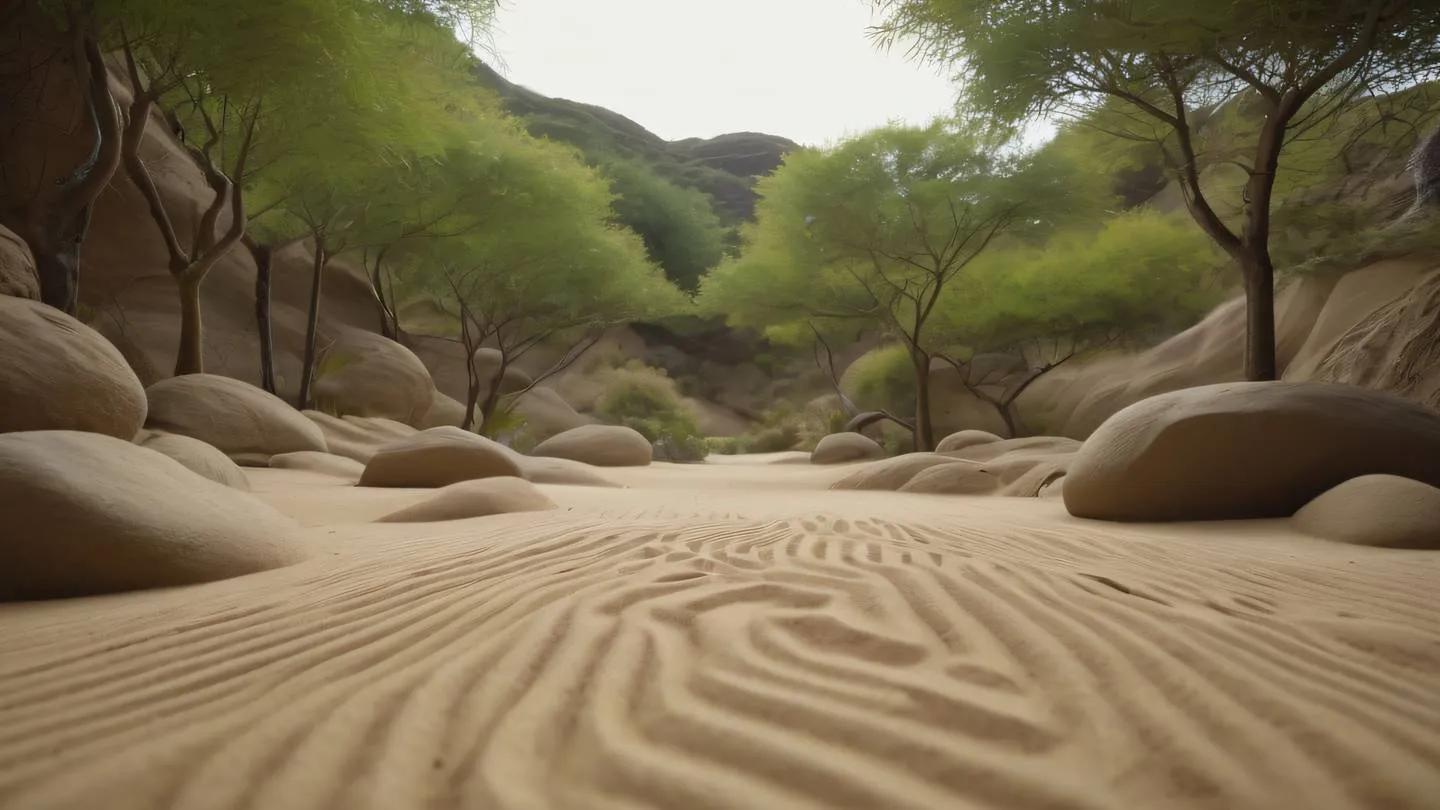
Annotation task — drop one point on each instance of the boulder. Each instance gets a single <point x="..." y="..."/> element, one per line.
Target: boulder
<point x="17" y="267"/>
<point x="323" y="463"/>
<point x="90" y="514"/>
<point x="1028" y="475"/>
<point x="198" y="457"/>
<point x="562" y="471"/>
<point x="59" y="374"/>
<point x="842" y="448"/>
<point x="893" y="473"/>
<point x="600" y="446"/>
<point x="374" y="376"/>
<point x="1375" y="510"/>
<point x="444" y="411"/>
<point x="547" y="414"/>
<point x="1014" y="448"/>
<point x="472" y="499"/>
<point x="256" y="460"/>
<point x="359" y="437"/>
<point x="1247" y="450"/>
<point x="959" y="478"/>
<point x="487" y="366"/>
<point x="439" y="457"/>
<point x="965" y="438"/>
<point x="234" y="416"/>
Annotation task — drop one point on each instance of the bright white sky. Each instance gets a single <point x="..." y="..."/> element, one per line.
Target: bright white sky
<point x="801" y="69"/>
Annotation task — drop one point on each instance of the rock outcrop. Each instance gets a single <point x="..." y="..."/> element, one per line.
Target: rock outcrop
<point x="59" y="374"/>
<point x="377" y="377"/>
<point x="234" y="416"/>
<point x="199" y="458"/>
<point x="439" y="457"/>
<point x="17" y="267"/>
<point x="323" y="463"/>
<point x="89" y="514"/>
<point x="472" y="499"/>
<point x="599" y="446"/>
<point x="1376" y="510"/>
<point x="1247" y="450"/>
<point x="844" y="448"/>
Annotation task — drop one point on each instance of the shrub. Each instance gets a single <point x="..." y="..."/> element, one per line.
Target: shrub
<point x="882" y="379"/>
<point x="646" y="400"/>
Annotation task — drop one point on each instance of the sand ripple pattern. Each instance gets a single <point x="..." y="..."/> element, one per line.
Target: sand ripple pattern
<point x="819" y="662"/>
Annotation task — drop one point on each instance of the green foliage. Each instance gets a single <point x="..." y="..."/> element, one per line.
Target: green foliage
<point x="645" y="399"/>
<point x="679" y="226"/>
<point x="883" y="379"/>
<point x="1142" y="274"/>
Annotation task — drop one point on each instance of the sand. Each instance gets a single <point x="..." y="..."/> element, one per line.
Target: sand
<point x="733" y="635"/>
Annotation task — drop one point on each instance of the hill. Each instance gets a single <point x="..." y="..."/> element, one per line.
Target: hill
<point x="724" y="167"/>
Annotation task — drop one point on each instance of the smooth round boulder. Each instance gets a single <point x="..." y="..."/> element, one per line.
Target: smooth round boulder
<point x="965" y="438"/>
<point x="88" y="514"/>
<point x="959" y="478"/>
<point x="1014" y="448"/>
<point x="17" y="267"/>
<point x="199" y="458"/>
<point x="445" y="411"/>
<point x="439" y="457"/>
<point x="56" y="373"/>
<point x="1247" y="450"/>
<point x="487" y="363"/>
<point x="563" y="472"/>
<point x="233" y="416"/>
<point x="375" y="376"/>
<point x="473" y="499"/>
<point x="891" y="474"/>
<point x="844" y="448"/>
<point x="323" y="463"/>
<point x="599" y="446"/>
<point x="359" y="437"/>
<point x="1375" y="510"/>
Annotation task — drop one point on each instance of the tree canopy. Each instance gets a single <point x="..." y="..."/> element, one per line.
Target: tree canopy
<point x="1155" y="71"/>
<point x="878" y="229"/>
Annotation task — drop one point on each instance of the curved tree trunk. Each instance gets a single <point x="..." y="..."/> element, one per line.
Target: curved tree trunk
<point x="56" y="224"/>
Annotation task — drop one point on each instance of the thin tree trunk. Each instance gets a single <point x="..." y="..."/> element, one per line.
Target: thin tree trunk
<point x="1260" y="360"/>
<point x="312" y="327"/>
<point x="1255" y="263"/>
<point x="190" y="355"/>
<point x="263" y="255"/>
<point x="924" y="430"/>
<point x="472" y="379"/>
<point x="492" y="397"/>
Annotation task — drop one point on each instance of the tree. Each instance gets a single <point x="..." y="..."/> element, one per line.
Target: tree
<point x="45" y="204"/>
<point x="546" y="267"/>
<point x="1158" y="70"/>
<point x="681" y="230"/>
<point x="1026" y="311"/>
<point x="878" y="230"/>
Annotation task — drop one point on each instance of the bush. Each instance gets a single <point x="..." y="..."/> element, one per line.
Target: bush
<point x="882" y="379"/>
<point x="645" y="399"/>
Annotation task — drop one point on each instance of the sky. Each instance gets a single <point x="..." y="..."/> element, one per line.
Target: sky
<point x="802" y="69"/>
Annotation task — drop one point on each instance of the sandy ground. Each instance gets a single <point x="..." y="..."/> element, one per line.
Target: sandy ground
<point x="735" y="636"/>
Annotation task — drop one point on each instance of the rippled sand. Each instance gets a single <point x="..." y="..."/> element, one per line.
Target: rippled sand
<point x="735" y="636"/>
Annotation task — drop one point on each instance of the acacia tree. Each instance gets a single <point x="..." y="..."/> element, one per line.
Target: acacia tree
<point x="1027" y="311"/>
<point x="877" y="230"/>
<point x="545" y="268"/>
<point x="1159" y="68"/>
<point x="46" y="204"/>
